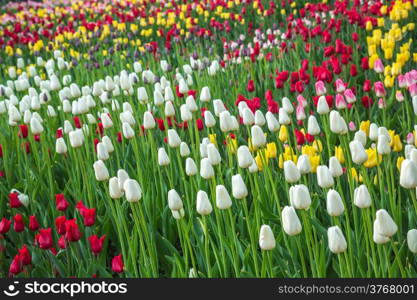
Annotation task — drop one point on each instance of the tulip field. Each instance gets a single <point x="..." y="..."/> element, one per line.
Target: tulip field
<point x="208" y="139"/>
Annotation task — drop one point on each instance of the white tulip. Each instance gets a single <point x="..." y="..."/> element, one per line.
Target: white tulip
<point x="223" y="200"/>
<point x="290" y="221"/>
<point x="313" y="127"/>
<point x="303" y="164"/>
<point x="206" y="169"/>
<point x="334" y="203"/>
<point x="292" y="174"/>
<point x="335" y="167"/>
<point x="258" y="137"/>
<point x="133" y="191"/>
<point x="114" y="189"/>
<point x="184" y="149"/>
<point x="362" y="197"/>
<point x="408" y="174"/>
<point x="300" y="196"/>
<point x="174" y="200"/>
<point x="190" y="167"/>
<point x="174" y="140"/>
<point x="337" y="241"/>
<point x="266" y="238"/>
<point x="239" y="189"/>
<point x="359" y="155"/>
<point x="244" y="157"/>
<point x="163" y="158"/>
<point x="412" y="240"/>
<point x="213" y="155"/>
<point x="122" y="176"/>
<point x="100" y="171"/>
<point x="204" y="207"/>
<point x="60" y="146"/>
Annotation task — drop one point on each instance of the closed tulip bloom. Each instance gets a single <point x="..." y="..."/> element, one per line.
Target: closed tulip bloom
<point x="148" y="120"/>
<point x="362" y="197"/>
<point x="290" y="221"/>
<point x="174" y="200"/>
<point x="205" y="94"/>
<point x="266" y="238"/>
<point x="324" y="177"/>
<point x="209" y="119"/>
<point x="300" y="113"/>
<point x="361" y="137"/>
<point x="225" y="121"/>
<point x="258" y="137"/>
<point x="320" y="88"/>
<point x="169" y="94"/>
<point x="76" y="138"/>
<point x="253" y="168"/>
<point x="412" y="240"/>
<point x="283" y="117"/>
<point x="163" y="159"/>
<point x="239" y="190"/>
<point x="184" y="149"/>
<point x="114" y="189"/>
<point x="128" y="131"/>
<point x="300" y="196"/>
<point x="190" y="167"/>
<point x="142" y="95"/>
<point x="204" y="207"/>
<point x="303" y="164"/>
<point x="337" y="123"/>
<point x="234" y="124"/>
<point x="408" y="174"/>
<point x="287" y="105"/>
<point x="186" y="115"/>
<point x="133" y="191"/>
<point x="373" y="132"/>
<point x="259" y="118"/>
<point x="122" y="176"/>
<point x="248" y="117"/>
<point x="60" y="146"/>
<point x="100" y="171"/>
<point x="206" y="169"/>
<point x="127" y="117"/>
<point x="106" y="121"/>
<point x="108" y="143"/>
<point x="313" y="127"/>
<point x="322" y="106"/>
<point x="383" y="146"/>
<point x="213" y="155"/>
<point x="292" y="174"/>
<point x="337" y="241"/>
<point x="359" y="155"/>
<point x="334" y="203"/>
<point x="178" y="214"/>
<point x="378" y="237"/>
<point x="35" y="126"/>
<point x="174" y="140"/>
<point x="169" y="109"/>
<point x="384" y="225"/>
<point x="102" y="153"/>
<point x="335" y="167"/>
<point x="191" y="105"/>
<point x="244" y="157"/>
<point x="218" y="106"/>
<point x="272" y="122"/>
<point x="158" y="99"/>
<point x="223" y="200"/>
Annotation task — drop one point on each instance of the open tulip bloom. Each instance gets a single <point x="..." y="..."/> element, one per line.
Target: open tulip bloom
<point x="208" y="139"/>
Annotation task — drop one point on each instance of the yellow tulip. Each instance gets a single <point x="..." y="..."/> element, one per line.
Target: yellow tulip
<point x="374" y="158"/>
<point x="339" y="154"/>
<point x="399" y="162"/>
<point x="271" y="150"/>
<point x="212" y="138"/>
<point x="364" y="126"/>
<point x="283" y="133"/>
<point x="397" y="146"/>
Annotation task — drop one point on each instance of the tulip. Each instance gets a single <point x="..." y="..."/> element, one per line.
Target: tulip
<point x="60" y="146"/>
<point x="128" y="131"/>
<point x="334" y="167"/>
<point x="253" y="168"/>
<point x="313" y="127"/>
<point x="337" y="241"/>
<point x="122" y="176"/>
<point x="334" y="204"/>
<point x="383" y="146"/>
<point x="244" y="157"/>
<point x="213" y="155"/>
<point x="384" y="227"/>
<point x="148" y="120"/>
<point x="114" y="189"/>
<point x="178" y="214"/>
<point x="163" y="159"/>
<point x="324" y="177"/>
<point x="209" y="119"/>
<point x="61" y="203"/>
<point x="100" y="171"/>
<point x="206" y="169"/>
<point x="76" y="138"/>
<point x="320" y="88"/>
<point x="174" y="200"/>
<point x="142" y="95"/>
<point x="373" y="132"/>
<point x="96" y="243"/>
<point x="266" y="238"/>
<point x="158" y="99"/>
<point x="107" y="143"/>
<point x="362" y="197"/>
<point x="18" y="224"/>
<point x="239" y="189"/>
<point x="174" y="140"/>
<point x="303" y="164"/>
<point x="102" y="152"/>
<point x="169" y="109"/>
<point x="248" y="117"/>
<point x="361" y="137"/>
<point x="44" y="238"/>
<point x="106" y="121"/>
<point x="132" y="190"/>
<point x="287" y="106"/>
<point x="258" y="137"/>
<point x="4" y="226"/>
<point x="259" y="118"/>
<point x="300" y="196"/>
<point x="290" y="221"/>
<point x="117" y="264"/>
<point x="283" y="117"/>
<point x="337" y="123"/>
<point x="408" y="174"/>
<point x="272" y="122"/>
<point x="205" y="94"/>
<point x="359" y="155"/>
<point x="223" y="200"/>
<point x="204" y="207"/>
<point x="190" y="167"/>
<point x="292" y="174"/>
<point x="225" y="121"/>
<point x="412" y="240"/>
<point x="184" y="150"/>
<point x="322" y="106"/>
<point x="33" y="223"/>
<point x="35" y="126"/>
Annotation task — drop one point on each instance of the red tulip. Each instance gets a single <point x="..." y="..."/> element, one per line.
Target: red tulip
<point x="77" y="122"/>
<point x="23" y="131"/>
<point x="14" y="201"/>
<point x="353" y="70"/>
<point x="365" y="63"/>
<point x="72" y="232"/>
<point x="117" y="264"/>
<point x="96" y="244"/>
<point x="19" y="224"/>
<point x="44" y="238"/>
<point x="16" y="266"/>
<point x="367" y="85"/>
<point x="62" y="242"/>
<point x="251" y="86"/>
<point x="60" y="224"/>
<point x="33" y="223"/>
<point x="61" y="202"/>
<point x="25" y="255"/>
<point x="4" y="226"/>
<point x="89" y="216"/>
<point x="299" y="137"/>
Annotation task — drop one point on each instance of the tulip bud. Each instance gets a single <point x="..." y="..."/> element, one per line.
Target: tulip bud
<point x="178" y="214"/>
<point x="218" y="106"/>
<point x="225" y="121"/>
<point x="190" y="167"/>
<point x="292" y="174"/>
<point x="60" y="146"/>
<point x="283" y="117"/>
<point x="158" y="99"/>
<point x="174" y="140"/>
<point x="209" y="119"/>
<point x="148" y="120"/>
<point x="213" y="155"/>
<point x="361" y="137"/>
<point x="334" y="167"/>
<point x="303" y="164"/>
<point x="253" y="168"/>
<point x="322" y="106"/>
<point x="102" y="153"/>
<point x="244" y="157"/>
<point x="174" y="200"/>
<point x="76" y="138"/>
<point x="132" y="190"/>
<point x="359" y="155"/>
<point x="248" y="117"/>
<point x="259" y="118"/>
<point x="184" y="149"/>
<point x="239" y="190"/>
<point x="287" y="106"/>
<point x="373" y="132"/>
<point x="205" y="94"/>
<point x="169" y="95"/>
<point x="204" y="207"/>
<point x="383" y="145"/>
<point x="142" y="95"/>
<point x="163" y="159"/>
<point x="384" y="227"/>
<point x="107" y="143"/>
<point x="272" y="122"/>
<point x="114" y="189"/>
<point x="106" y="121"/>
<point x="169" y="109"/>
<point x="223" y="200"/>
<point x="122" y="176"/>
<point x="290" y="221"/>
<point x="127" y="130"/>
<point x="266" y="238"/>
<point x="258" y="137"/>
<point x="313" y="127"/>
<point x="35" y="126"/>
<point x="186" y="115"/>
<point x="206" y="169"/>
<point x="337" y="123"/>
<point x="412" y="240"/>
<point x="324" y="177"/>
<point x="300" y="196"/>
<point x="362" y="197"/>
<point x="408" y="174"/>
<point x="100" y="171"/>
<point x="191" y="105"/>
<point x="334" y="204"/>
<point x="337" y="241"/>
